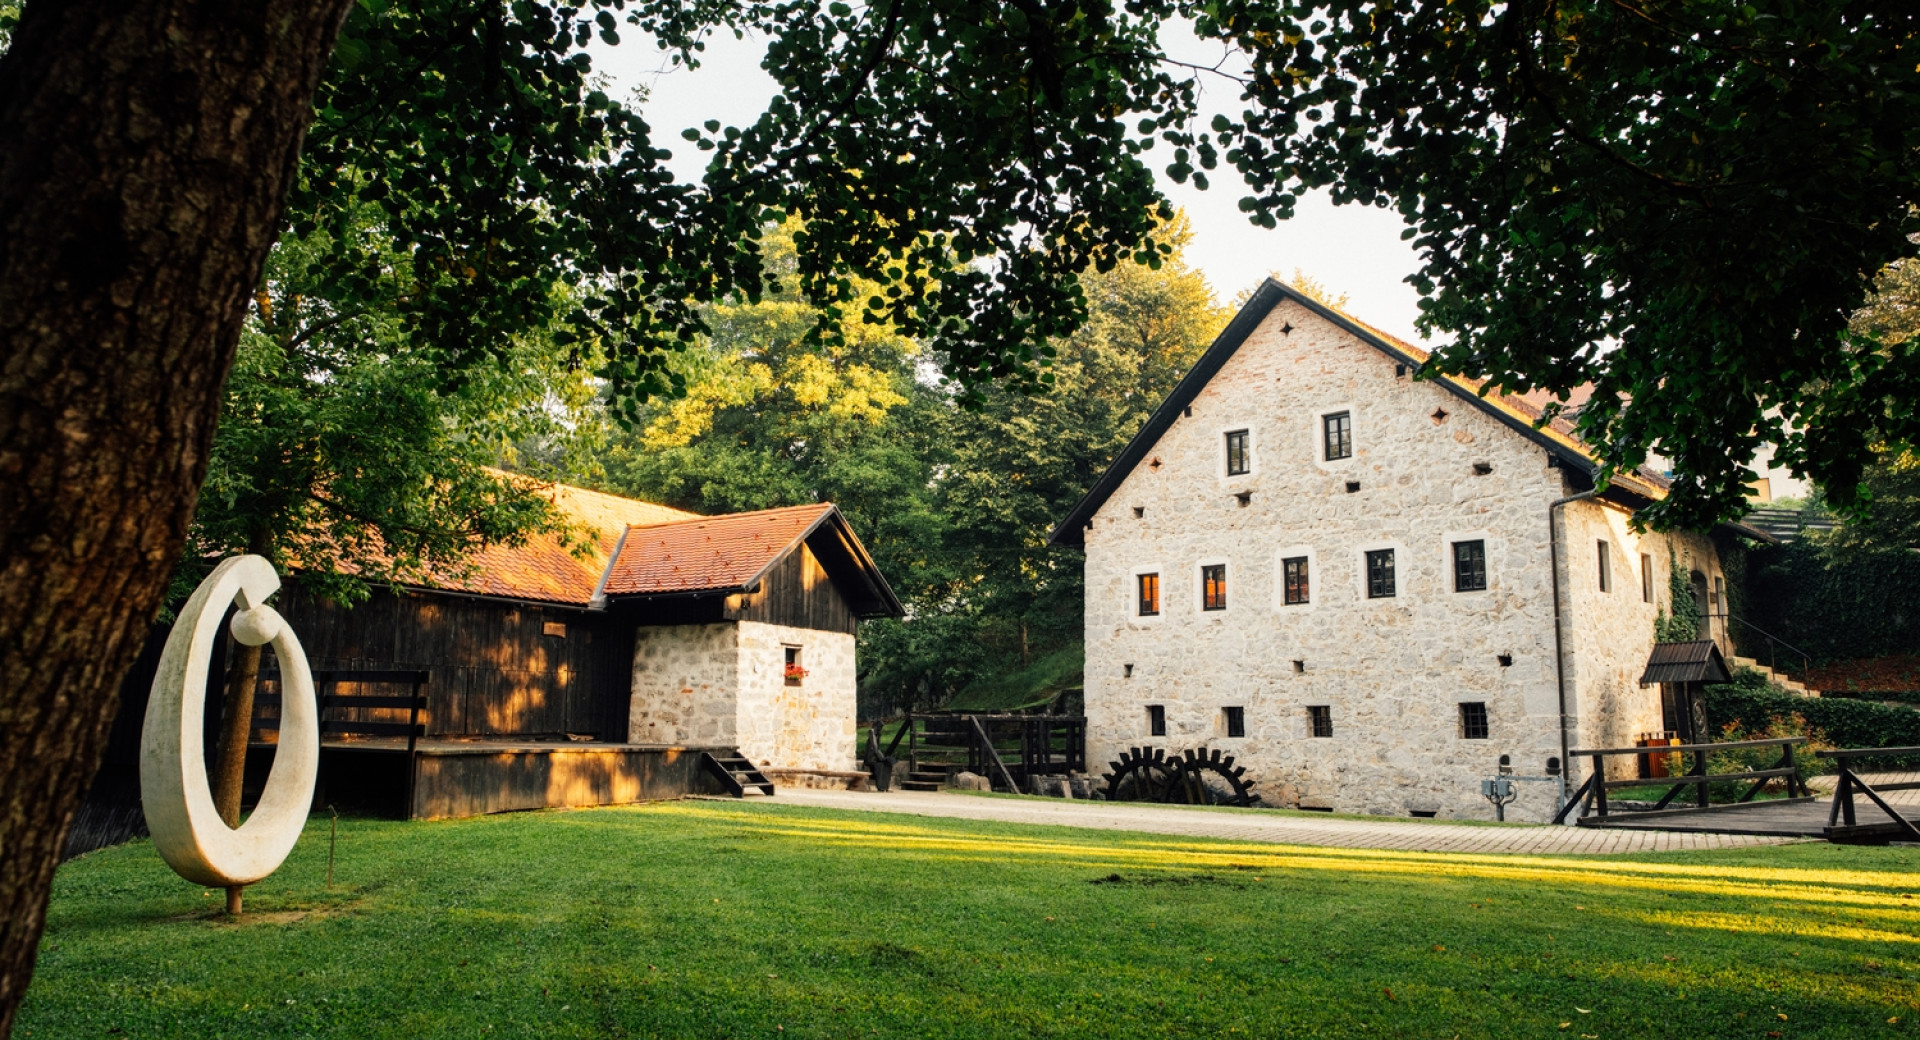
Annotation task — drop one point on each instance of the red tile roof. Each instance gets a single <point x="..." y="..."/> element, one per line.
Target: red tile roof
<point x="549" y="568"/>
<point x="716" y="552"/>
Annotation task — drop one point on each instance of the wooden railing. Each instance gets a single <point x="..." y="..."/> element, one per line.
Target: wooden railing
<point x="1843" y="818"/>
<point x="1007" y="749"/>
<point x="983" y="755"/>
<point x="1591" y="796"/>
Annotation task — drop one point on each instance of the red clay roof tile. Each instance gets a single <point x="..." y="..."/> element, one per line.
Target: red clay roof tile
<point x="715" y="552"/>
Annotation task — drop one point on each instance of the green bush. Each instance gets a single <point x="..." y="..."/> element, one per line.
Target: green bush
<point x="1834" y="609"/>
<point x="1739" y="708"/>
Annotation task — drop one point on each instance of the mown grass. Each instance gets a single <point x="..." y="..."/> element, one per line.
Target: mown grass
<point x="707" y="919"/>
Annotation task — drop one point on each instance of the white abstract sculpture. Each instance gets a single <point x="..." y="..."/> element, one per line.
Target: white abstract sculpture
<point x="186" y="827"/>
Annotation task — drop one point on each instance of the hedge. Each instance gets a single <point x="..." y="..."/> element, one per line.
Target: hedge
<point x="1833" y="610"/>
<point x="1844" y="723"/>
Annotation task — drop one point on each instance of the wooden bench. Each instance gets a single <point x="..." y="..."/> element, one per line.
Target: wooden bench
<point x="335" y="702"/>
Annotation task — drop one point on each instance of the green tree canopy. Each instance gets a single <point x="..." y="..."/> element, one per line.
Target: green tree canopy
<point x="351" y="450"/>
<point x="1679" y="202"/>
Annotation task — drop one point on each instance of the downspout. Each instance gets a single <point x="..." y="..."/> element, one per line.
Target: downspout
<point x="1559" y="648"/>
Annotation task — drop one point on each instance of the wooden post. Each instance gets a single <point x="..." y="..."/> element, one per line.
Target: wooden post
<point x="1600" y="785"/>
<point x="233" y="899"/>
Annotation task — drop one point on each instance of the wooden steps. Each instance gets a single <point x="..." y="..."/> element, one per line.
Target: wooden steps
<point x="736" y="773"/>
<point x="931" y="776"/>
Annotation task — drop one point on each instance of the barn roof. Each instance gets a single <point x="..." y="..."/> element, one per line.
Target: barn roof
<point x="719" y="555"/>
<point x="1698" y="661"/>
<point x="621" y="547"/>
<point x="548" y="568"/>
<point x="1514" y="411"/>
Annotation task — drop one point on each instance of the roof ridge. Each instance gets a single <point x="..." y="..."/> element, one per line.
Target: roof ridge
<point x="730" y="516"/>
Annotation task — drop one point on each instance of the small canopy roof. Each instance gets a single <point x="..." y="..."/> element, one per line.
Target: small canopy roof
<point x="1698" y="661"/>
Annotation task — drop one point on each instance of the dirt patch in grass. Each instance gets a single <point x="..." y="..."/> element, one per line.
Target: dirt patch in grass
<point x="1171" y="880"/>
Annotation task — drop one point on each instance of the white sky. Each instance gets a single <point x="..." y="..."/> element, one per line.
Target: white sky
<point x="1350" y="249"/>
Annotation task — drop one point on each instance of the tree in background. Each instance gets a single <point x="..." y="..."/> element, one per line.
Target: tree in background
<point x="1891" y="483"/>
<point x="955" y="497"/>
<point x="348" y="451"/>
<point x="1000" y="598"/>
<point x="1676" y="201"/>
<point x="1308" y="285"/>
<point x="774" y="415"/>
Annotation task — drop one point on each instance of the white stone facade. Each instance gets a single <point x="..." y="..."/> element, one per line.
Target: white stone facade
<point x="1393" y="672"/>
<point x="724" y="685"/>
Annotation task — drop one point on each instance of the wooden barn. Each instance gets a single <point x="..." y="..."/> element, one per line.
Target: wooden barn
<point x="661" y="654"/>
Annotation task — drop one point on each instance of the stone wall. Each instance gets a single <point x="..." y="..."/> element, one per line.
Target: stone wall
<point x="725" y="685"/>
<point x="1392" y="671"/>
<point x="684" y="683"/>
<point x="809" y="726"/>
<point x="1609" y="633"/>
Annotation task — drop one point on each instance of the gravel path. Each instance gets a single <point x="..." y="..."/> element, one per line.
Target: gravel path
<point x="1279" y="828"/>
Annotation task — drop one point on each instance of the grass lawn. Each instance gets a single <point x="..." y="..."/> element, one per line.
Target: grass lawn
<point x="712" y="919"/>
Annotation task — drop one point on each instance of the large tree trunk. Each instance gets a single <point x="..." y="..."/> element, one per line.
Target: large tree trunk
<point x="146" y="148"/>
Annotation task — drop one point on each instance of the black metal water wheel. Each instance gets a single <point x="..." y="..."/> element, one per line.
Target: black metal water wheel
<point x="1141" y="775"/>
<point x="1206" y="777"/>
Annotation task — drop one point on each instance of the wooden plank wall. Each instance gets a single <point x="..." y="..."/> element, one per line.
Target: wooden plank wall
<point x="798" y="593"/>
<point x="495" y="671"/>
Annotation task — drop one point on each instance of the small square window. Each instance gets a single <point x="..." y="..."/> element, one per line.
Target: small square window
<point x="1149" y="595"/>
<point x="1473" y="720"/>
<point x="1380" y="584"/>
<point x="794" y="673"/>
<point x="1606" y="566"/>
<point x="1156" y="720"/>
<point x="1213" y="587"/>
<point x="1320" y="720"/>
<point x="1235" y="720"/>
<point x="1239" y="458"/>
<point x="1337" y="429"/>
<point x="1470" y="566"/>
<point x="1298" y="584"/>
<point x="1646" y="578"/>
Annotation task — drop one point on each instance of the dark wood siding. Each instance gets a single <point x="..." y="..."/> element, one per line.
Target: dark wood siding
<point x="495" y="671"/>
<point x="796" y="592"/>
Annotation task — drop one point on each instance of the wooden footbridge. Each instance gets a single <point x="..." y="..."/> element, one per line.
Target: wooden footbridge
<point x="1857" y="812"/>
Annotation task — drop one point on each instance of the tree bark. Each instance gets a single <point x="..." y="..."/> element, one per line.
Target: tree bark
<point x="146" y="149"/>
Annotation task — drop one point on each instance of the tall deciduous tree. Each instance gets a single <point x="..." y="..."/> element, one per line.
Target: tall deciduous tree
<point x="354" y="452"/>
<point x="775" y="416"/>
<point x="1019" y="461"/>
<point x="145" y="153"/>
<point x="1679" y="202"/>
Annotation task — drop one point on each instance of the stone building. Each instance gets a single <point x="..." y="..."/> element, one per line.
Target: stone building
<point x="1374" y="591"/>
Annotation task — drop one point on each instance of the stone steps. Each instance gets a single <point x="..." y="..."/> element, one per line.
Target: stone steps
<point x="1778" y="679"/>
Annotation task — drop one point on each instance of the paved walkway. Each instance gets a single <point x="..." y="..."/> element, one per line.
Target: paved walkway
<point x="1279" y="828"/>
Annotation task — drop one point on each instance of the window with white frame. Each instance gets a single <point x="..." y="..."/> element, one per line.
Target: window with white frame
<point x="1380" y="574"/>
<point x="1147" y="594"/>
<point x="1239" y="453"/>
<point x="1298" y="588"/>
<point x="1213" y="587"/>
<point x="1336" y="440"/>
<point x="1470" y="566"/>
